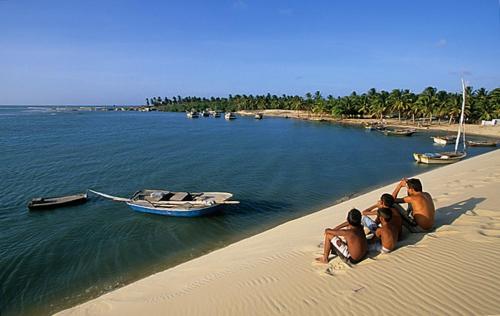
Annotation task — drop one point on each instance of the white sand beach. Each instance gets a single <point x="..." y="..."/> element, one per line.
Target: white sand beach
<point x="472" y="129"/>
<point x="453" y="270"/>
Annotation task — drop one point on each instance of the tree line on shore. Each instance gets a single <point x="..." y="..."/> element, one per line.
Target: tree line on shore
<point x="428" y="105"/>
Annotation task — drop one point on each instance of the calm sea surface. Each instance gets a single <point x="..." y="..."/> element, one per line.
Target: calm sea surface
<point x="279" y="169"/>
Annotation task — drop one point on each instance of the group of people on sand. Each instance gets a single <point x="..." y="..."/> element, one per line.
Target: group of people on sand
<point x="353" y="239"/>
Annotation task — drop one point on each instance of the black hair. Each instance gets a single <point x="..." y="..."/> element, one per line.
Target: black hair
<point x="387" y="199"/>
<point x="414" y="184"/>
<point x="385" y="213"/>
<point x="354" y="217"/>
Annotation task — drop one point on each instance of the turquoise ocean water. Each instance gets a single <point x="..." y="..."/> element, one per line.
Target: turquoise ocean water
<point x="279" y="169"/>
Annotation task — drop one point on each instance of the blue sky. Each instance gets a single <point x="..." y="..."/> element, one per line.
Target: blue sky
<point x="120" y="52"/>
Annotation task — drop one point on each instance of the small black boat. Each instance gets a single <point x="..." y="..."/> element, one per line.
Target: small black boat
<point x="41" y="203"/>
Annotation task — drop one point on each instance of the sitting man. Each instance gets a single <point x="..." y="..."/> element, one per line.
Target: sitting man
<point x="355" y="247"/>
<point x="387" y="235"/>
<point x="386" y="200"/>
<point x="420" y="214"/>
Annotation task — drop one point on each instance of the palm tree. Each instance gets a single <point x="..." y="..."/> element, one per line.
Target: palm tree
<point x="454" y="104"/>
<point x="428" y="101"/>
<point x="483" y="109"/>
<point x="397" y="102"/>
<point x="380" y="104"/>
<point x="319" y="104"/>
<point x="308" y="103"/>
<point x="364" y="105"/>
<point x="440" y="109"/>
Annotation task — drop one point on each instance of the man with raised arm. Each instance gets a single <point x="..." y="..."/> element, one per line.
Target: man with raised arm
<point x="420" y="214"/>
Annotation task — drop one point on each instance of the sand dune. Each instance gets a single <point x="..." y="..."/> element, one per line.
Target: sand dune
<point x="453" y="270"/>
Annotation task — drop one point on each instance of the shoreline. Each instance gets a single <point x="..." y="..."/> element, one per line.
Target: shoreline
<point x="273" y="272"/>
<point x="471" y="129"/>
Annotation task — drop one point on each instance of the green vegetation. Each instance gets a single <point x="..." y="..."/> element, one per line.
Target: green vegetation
<point x="428" y="105"/>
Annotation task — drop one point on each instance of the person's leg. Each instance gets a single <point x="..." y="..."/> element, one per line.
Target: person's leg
<point x="369" y="223"/>
<point x="340" y="248"/>
<point x="327" y="248"/>
<point x="408" y="220"/>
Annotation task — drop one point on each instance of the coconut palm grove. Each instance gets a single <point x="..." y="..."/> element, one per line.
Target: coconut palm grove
<point x="401" y="103"/>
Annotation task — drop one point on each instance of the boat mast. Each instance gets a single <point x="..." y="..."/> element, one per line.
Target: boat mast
<point x="461" y="118"/>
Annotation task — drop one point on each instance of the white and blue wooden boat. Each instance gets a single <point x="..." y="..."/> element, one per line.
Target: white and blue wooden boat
<point x="182" y="204"/>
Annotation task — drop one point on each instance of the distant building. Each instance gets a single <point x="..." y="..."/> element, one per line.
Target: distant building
<point x="490" y="123"/>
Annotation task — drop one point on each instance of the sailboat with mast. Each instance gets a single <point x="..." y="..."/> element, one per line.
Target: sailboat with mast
<point x="448" y="157"/>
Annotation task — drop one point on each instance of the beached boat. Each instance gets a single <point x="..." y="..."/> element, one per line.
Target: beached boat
<point x="258" y="116"/>
<point x="444" y="140"/>
<point x="398" y="132"/>
<point x="229" y="116"/>
<point x="481" y="143"/>
<point x="192" y="114"/>
<point x="439" y="158"/>
<point x="182" y="204"/>
<point x="43" y="203"/>
<point x="447" y="157"/>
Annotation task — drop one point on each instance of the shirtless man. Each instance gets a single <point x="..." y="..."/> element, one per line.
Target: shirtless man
<point x="354" y="248"/>
<point x="420" y="214"/>
<point x="386" y="200"/>
<point x="387" y="235"/>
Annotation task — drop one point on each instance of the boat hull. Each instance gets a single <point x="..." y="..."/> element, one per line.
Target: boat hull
<point x="388" y="132"/>
<point x="422" y="158"/>
<point x="444" y="140"/>
<point x="57" y="202"/>
<point x="481" y="144"/>
<point x="193" y="212"/>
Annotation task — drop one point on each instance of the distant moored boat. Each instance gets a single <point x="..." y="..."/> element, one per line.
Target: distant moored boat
<point x="192" y="114"/>
<point x="444" y="140"/>
<point x="481" y="143"/>
<point x="214" y="113"/>
<point x="398" y="132"/>
<point x="230" y="116"/>
<point x="42" y="203"/>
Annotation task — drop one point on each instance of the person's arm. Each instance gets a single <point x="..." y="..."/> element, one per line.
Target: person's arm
<point x="342" y="225"/>
<point x="339" y="232"/>
<point x="406" y="199"/>
<point x="372" y="210"/>
<point x="400" y="185"/>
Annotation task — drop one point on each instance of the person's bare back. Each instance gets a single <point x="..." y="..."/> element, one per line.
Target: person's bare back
<point x="355" y="246"/>
<point x="388" y="235"/>
<point x="356" y="241"/>
<point x="422" y="206"/>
